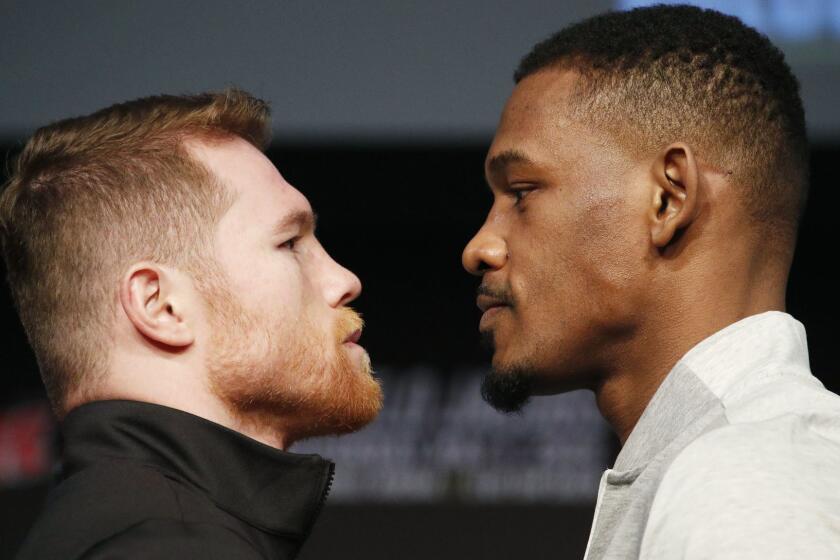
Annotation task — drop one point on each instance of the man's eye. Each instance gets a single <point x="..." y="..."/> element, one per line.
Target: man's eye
<point x="290" y="244"/>
<point x="519" y="194"/>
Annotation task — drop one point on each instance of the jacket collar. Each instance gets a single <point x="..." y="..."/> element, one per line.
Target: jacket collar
<point x="269" y="489"/>
<point x="728" y="362"/>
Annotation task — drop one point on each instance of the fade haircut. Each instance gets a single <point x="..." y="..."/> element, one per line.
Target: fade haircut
<point x="656" y="75"/>
<point x="90" y="196"/>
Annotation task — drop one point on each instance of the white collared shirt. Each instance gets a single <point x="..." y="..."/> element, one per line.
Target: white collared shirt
<point x="737" y="455"/>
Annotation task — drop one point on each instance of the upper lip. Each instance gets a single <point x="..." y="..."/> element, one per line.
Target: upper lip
<point x="485" y="302"/>
<point x="354" y="336"/>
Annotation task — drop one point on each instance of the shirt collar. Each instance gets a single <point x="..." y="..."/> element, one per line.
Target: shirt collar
<point x="272" y="490"/>
<point x="750" y="346"/>
<point x="706" y="375"/>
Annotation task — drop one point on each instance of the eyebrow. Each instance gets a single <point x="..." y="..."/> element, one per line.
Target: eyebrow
<point x="499" y="162"/>
<point x="305" y="220"/>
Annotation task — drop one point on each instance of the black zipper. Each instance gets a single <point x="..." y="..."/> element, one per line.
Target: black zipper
<point x="322" y="503"/>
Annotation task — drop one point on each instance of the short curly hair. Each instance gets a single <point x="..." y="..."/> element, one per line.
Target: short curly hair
<point x="660" y="74"/>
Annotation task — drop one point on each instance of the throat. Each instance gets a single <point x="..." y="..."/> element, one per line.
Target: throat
<point x="623" y="398"/>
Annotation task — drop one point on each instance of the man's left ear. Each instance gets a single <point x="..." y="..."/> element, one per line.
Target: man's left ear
<point x="674" y="203"/>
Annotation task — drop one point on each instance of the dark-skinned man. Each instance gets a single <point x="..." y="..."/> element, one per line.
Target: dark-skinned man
<point x="648" y="174"/>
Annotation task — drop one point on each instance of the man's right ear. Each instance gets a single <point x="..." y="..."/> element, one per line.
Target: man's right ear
<point x="150" y="299"/>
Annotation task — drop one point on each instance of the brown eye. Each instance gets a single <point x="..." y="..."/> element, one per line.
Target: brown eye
<point x="519" y="195"/>
<point x="290" y="244"/>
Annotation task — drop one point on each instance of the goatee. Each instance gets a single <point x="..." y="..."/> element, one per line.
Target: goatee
<point x="507" y="391"/>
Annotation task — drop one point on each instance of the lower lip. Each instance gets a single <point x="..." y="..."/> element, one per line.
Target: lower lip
<point x="489" y="315"/>
<point x="354" y="349"/>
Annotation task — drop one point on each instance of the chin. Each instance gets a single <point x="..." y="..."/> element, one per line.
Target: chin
<point x="505" y="358"/>
<point x="335" y="418"/>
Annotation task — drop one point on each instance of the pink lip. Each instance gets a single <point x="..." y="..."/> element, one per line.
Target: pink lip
<point x="489" y="314"/>
<point x="354" y="336"/>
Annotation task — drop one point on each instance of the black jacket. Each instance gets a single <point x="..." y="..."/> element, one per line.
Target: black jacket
<point x="145" y="481"/>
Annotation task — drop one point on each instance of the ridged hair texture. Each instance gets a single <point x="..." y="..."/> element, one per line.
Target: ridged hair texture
<point x="656" y="75"/>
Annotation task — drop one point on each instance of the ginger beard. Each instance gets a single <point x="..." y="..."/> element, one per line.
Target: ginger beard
<point x="289" y="375"/>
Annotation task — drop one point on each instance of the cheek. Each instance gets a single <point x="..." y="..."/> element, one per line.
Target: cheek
<point x="584" y="261"/>
<point x="273" y="284"/>
<point x="608" y="236"/>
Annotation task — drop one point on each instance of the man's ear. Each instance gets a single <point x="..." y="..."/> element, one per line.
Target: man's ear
<point x="150" y="299"/>
<point x="674" y="203"/>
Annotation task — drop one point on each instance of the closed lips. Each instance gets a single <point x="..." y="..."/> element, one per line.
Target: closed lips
<point x="486" y="302"/>
<point x="354" y="336"/>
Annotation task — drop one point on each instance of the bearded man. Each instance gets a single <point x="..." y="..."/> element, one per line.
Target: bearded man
<point x="649" y="172"/>
<point x="188" y="326"/>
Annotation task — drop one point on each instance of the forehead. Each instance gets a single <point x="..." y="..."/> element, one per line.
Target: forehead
<point x="535" y="121"/>
<point x="262" y="194"/>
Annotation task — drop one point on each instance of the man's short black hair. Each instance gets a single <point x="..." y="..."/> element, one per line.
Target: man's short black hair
<point x="661" y="74"/>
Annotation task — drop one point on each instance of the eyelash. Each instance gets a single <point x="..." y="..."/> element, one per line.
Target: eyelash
<point x="519" y="195"/>
<point x="290" y="244"/>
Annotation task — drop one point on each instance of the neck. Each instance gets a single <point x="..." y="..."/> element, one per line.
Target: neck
<point x="181" y="390"/>
<point x="641" y="364"/>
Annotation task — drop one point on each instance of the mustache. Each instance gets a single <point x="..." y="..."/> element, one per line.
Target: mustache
<point x="349" y="321"/>
<point x="503" y="295"/>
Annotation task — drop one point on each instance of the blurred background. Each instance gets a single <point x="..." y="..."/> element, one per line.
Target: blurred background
<point x="383" y="112"/>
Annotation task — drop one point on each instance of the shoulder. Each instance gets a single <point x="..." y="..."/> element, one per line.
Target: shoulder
<point x="774" y="393"/>
<point x="163" y="539"/>
<point x="97" y="503"/>
<point x="789" y="454"/>
<point x="752" y="488"/>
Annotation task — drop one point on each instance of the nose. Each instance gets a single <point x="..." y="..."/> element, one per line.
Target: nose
<point x="341" y="285"/>
<point x="485" y="251"/>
